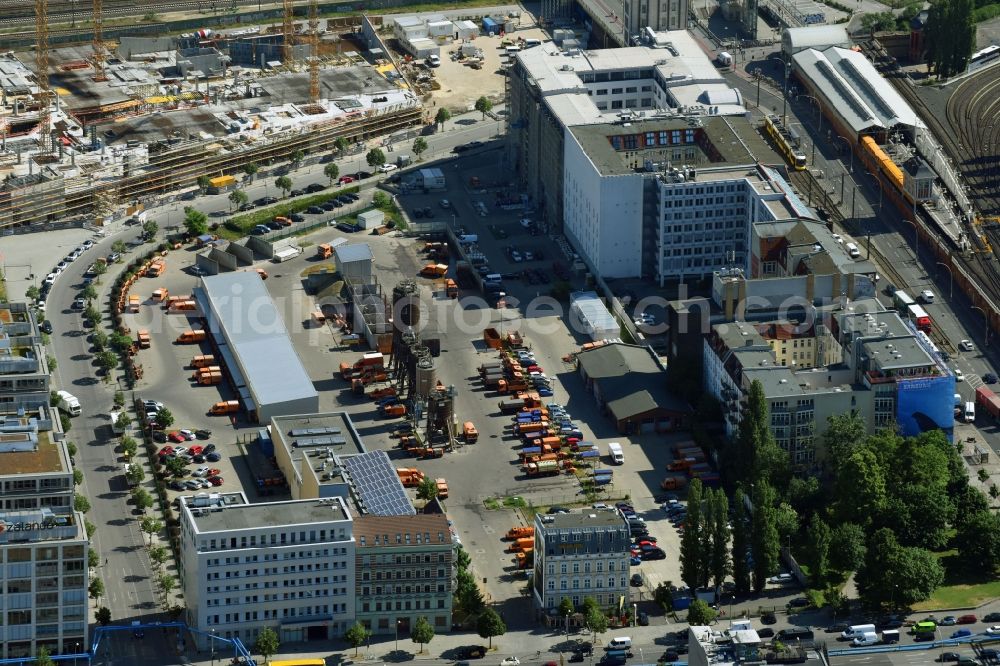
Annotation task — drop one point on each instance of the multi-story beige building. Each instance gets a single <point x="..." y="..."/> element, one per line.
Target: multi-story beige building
<point x="24" y="371"/>
<point x="43" y="542"/>
<point x="404" y="570"/>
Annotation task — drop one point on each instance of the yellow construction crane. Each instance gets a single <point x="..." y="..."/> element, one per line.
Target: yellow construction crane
<point x="42" y="71"/>
<point x="314" y="57"/>
<point x="287" y="33"/>
<point x="99" y="57"/>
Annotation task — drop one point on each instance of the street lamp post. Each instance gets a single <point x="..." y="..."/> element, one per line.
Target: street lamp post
<point x="916" y="238"/>
<point x="635" y="617"/>
<point x="784" y="93"/>
<point x="849" y="151"/>
<point x="397" y="636"/>
<point x="819" y="112"/>
<point x="951" y="281"/>
<point x="986" y="322"/>
<point x="878" y="184"/>
<point x="76" y="652"/>
<point x="213" y="646"/>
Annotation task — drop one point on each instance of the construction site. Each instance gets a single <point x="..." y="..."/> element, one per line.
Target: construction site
<point x="94" y="132"/>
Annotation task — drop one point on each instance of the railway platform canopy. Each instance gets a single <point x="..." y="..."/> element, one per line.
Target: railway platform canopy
<point x="853" y="93"/>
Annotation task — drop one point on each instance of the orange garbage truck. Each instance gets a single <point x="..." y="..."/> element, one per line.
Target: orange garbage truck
<point x="224" y="407"/>
<point x="191" y="337"/>
<point x="515" y="533"/>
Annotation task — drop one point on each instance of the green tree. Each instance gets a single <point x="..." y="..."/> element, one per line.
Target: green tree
<point x="267" y="643"/>
<point x="979" y="542"/>
<point x="106" y="361"/>
<point x="818" y="537"/>
<point x="949" y="36"/>
<point x="158" y="555"/>
<point x="719" y="565"/>
<point x="93" y="559"/>
<point x="764" y="536"/>
<point x="422" y="633"/>
<point x="195" y="221"/>
<point x="786" y="521"/>
<point x="123" y="421"/>
<point x="741" y="543"/>
<point x="89" y="292"/>
<point x="91" y="314"/>
<point x="692" y="564"/>
<point x="757" y="456"/>
<point x="705" y="534"/>
<point x="462" y="559"/>
<point x="99" y="268"/>
<point x="100" y="341"/>
<point x="237" y="198"/>
<point x="176" y="466"/>
<point x="120" y="341"/>
<point x="42" y="658"/>
<point x="375" y="157"/>
<point x="595" y="621"/>
<point x="283" y="183"/>
<point x="149" y="228"/>
<point x="896" y="575"/>
<point x="968" y="501"/>
<point x="135" y="475"/>
<point x="356" y="636"/>
<point x="860" y="487"/>
<point x="164" y="418"/>
<point x="490" y="624"/>
<point x="103" y="616"/>
<point x="96" y="588"/>
<point x="566" y="607"/>
<point x="331" y="171"/>
<point x="71" y="449"/>
<point x="443" y="116"/>
<point x="419" y="146"/>
<point x="847" y="547"/>
<point x="251" y="170"/>
<point x="484" y="106"/>
<point x="81" y="503"/>
<point x="878" y="22"/>
<point x="129" y="446"/>
<point x="700" y="614"/>
<point x="469" y="600"/>
<point x="150" y="526"/>
<point x="143" y="500"/>
<point x="340" y="145"/>
<point x="119" y="247"/>
<point x="32" y="292"/>
<point x="203" y="183"/>
<point x="381" y="200"/>
<point x="90" y="527"/>
<point x="427" y="489"/>
<point x="167" y="583"/>
<point x="65" y="421"/>
<point x="297" y="158"/>
<point x="77" y="476"/>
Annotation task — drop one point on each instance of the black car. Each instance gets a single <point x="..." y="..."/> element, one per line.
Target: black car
<point x="344" y="199"/>
<point x="330" y="205"/>
<point x="361" y="175"/>
<point x="768" y="618"/>
<point x="471" y="652"/>
<point x="557" y="509"/>
<point x="297" y="217"/>
<point x="247" y="206"/>
<point x="417" y="213"/>
<point x="209" y="448"/>
<point x="213" y="457"/>
<point x="204" y="433"/>
<point x="315" y="187"/>
<point x="159" y="436"/>
<point x="635" y="580"/>
<point x="200" y="458"/>
<point x="643" y="619"/>
<point x="296" y="193"/>
<point x="990" y="378"/>
<point x="799" y="602"/>
<point x="274" y="225"/>
<point x="991" y="617"/>
<point x="326" y="159"/>
<point x="266" y="201"/>
<point x="46" y="327"/>
<point x="576" y="657"/>
<point x="176" y="485"/>
<point x="314" y="210"/>
<point x="657" y="554"/>
<point x="352" y="196"/>
<point x="669" y="656"/>
<point x="459" y="149"/>
<point x="765" y="632"/>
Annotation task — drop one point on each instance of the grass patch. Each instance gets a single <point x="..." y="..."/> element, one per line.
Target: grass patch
<point x="240" y="225"/>
<point x="963" y="587"/>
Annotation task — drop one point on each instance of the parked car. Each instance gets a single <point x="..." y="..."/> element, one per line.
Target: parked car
<point x="635" y="580"/>
<point x="314" y="210"/>
<point x="966" y="345"/>
<point x="213" y="457"/>
<point x="961" y="633"/>
<point x="260" y="230"/>
<point x="780" y="579"/>
<point x="990" y="378"/>
<point x="315" y="187"/>
<point x="656" y="554"/>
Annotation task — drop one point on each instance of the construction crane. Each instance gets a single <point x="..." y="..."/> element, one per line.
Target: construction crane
<point x="287" y="32"/>
<point x="314" y="57"/>
<point x="42" y="71"/>
<point x="99" y="54"/>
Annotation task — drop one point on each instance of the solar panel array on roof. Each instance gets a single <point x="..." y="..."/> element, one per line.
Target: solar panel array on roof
<point x="309" y="432"/>
<point x="379" y="490"/>
<point x="318" y="441"/>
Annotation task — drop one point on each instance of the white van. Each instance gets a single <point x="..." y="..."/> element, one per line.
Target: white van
<point x="493" y="277"/>
<point x="529" y="43"/>
<point x="620" y="643"/>
<point x="69" y="403"/>
<point x="616" y="453"/>
<point x="856" y="630"/>
<point x="867" y="638"/>
<point x="853" y="251"/>
<point x="969" y="413"/>
<point x="511" y="50"/>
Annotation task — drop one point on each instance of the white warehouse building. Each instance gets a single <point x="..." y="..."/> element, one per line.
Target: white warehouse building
<point x="286" y="565"/>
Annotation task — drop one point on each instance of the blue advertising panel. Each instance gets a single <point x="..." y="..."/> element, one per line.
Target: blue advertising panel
<point x="926" y="403"/>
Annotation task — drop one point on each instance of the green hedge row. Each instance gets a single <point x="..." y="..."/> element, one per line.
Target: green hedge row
<point x="242" y="224"/>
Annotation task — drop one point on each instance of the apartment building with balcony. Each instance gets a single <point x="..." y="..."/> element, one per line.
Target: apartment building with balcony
<point x="24" y="370"/>
<point x="287" y="565"/>
<point x="43" y="542"/>
<point x="404" y="570"/>
<point x="578" y="555"/>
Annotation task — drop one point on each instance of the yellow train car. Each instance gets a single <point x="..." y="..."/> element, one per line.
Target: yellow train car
<point x="787" y="141"/>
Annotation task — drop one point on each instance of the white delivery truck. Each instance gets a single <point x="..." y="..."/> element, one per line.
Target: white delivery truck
<point x="68" y="403"/>
<point x="616" y="453"/>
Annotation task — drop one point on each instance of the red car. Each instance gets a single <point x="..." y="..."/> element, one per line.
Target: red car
<point x="215" y="480"/>
<point x="967" y="619"/>
<point x="535" y="368"/>
<point x="214" y="472"/>
<point x="195" y="450"/>
<point x="346" y="179"/>
<point x="166" y="451"/>
<point x="176" y="437"/>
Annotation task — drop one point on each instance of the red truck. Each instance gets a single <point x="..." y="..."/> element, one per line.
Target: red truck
<point x="988" y="401"/>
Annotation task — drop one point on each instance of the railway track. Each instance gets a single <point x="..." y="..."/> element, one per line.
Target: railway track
<point x="973" y="111"/>
<point x="20" y="13"/>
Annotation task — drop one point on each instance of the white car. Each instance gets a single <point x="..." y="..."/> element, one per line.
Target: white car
<point x="201" y="471"/>
<point x="445" y="203"/>
<point x="994" y="630"/>
<point x="50" y="279"/>
<point x="87" y="244"/>
<point x="188" y="435"/>
<point x="510" y="661"/>
<point x="79" y="304"/>
<point x="966" y="345"/>
<point x="838" y="238"/>
<point x="386" y="168"/>
<point x="780" y="579"/>
<point x="959" y="375"/>
<point x="927" y="296"/>
<point x="180" y="450"/>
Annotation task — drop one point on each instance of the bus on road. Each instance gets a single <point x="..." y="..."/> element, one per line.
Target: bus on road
<point x="902" y="300"/>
